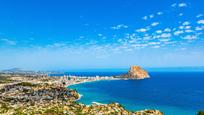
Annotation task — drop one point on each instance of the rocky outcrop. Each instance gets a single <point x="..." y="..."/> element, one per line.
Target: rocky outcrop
<point x="136" y="72"/>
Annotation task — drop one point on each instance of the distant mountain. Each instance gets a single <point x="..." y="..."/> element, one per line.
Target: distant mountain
<point x="13" y="70"/>
<point x="23" y="71"/>
<point x="17" y="70"/>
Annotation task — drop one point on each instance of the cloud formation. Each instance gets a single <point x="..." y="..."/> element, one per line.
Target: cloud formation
<point x="7" y="41"/>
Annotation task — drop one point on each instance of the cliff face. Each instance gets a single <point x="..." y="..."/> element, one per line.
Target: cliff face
<point x="136" y="72"/>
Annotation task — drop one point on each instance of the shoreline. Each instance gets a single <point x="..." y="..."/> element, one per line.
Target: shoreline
<point x="86" y="80"/>
<point x="75" y="80"/>
<point x="90" y="82"/>
<point x="80" y="95"/>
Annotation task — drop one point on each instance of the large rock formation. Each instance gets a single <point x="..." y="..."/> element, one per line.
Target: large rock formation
<point x="136" y="72"/>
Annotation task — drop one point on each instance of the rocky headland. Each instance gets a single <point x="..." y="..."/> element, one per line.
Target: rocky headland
<point x="136" y="72"/>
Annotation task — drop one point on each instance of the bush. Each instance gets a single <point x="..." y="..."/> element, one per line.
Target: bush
<point x="3" y="108"/>
<point x="26" y="84"/>
<point x="4" y="79"/>
<point x="201" y="113"/>
<point x="53" y="111"/>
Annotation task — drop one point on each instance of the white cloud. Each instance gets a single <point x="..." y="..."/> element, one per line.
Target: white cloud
<point x="151" y="16"/>
<point x="166" y="35"/>
<point x="158" y="31"/>
<point x="167" y="30"/>
<point x="119" y="40"/>
<point x="164" y="40"/>
<point x="179" y="5"/>
<point x="157" y="36"/>
<point x="136" y="45"/>
<point x="139" y="45"/>
<point x="180" y="14"/>
<point x="8" y="42"/>
<point x="187" y="27"/>
<point x="181" y="27"/>
<point x="200" y="21"/>
<point x="173" y="5"/>
<point x="57" y="45"/>
<point x="117" y="27"/>
<point x="146" y="37"/>
<point x="132" y="41"/>
<point x="199" y="33"/>
<point x="186" y="23"/>
<point x="154" y="43"/>
<point x="189" y="31"/>
<point x="156" y="46"/>
<point x="92" y="42"/>
<point x="182" y="5"/>
<point x="155" y="24"/>
<point x="199" y="15"/>
<point x="144" y="18"/>
<point x="176" y="33"/>
<point x="141" y="30"/>
<point x="198" y="28"/>
<point x="159" y="13"/>
<point x="100" y="35"/>
<point x="190" y="37"/>
<point x="125" y="26"/>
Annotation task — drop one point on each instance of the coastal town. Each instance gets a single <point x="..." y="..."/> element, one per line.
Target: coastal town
<point x="25" y="94"/>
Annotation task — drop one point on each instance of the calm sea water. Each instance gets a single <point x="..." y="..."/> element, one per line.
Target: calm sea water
<point x="174" y="93"/>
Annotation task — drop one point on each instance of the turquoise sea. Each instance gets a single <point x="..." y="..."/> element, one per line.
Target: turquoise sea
<point x="174" y="93"/>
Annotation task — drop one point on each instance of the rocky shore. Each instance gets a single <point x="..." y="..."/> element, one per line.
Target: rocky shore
<point x="26" y="95"/>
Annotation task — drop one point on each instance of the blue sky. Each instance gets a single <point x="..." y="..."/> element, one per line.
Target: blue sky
<point x="79" y="34"/>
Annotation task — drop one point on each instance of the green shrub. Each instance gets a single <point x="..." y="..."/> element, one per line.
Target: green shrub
<point x="5" y="79"/>
<point x="53" y="111"/>
<point x="201" y="113"/>
<point x="19" y="111"/>
<point x="4" y="108"/>
<point x="26" y="84"/>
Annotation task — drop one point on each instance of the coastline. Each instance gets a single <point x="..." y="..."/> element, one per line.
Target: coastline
<point x="52" y="95"/>
<point x="80" y="95"/>
<point x="82" y="80"/>
<point x="79" y="80"/>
